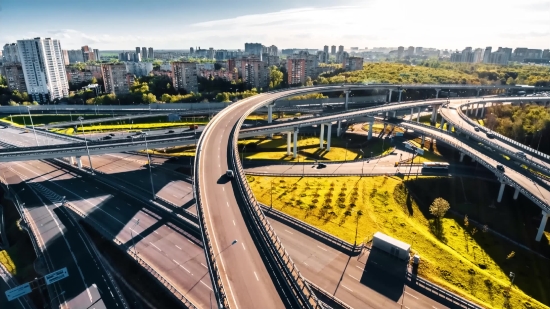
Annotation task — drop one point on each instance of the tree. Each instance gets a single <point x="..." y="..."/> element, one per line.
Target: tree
<point x="439" y="207"/>
<point x="309" y="82"/>
<point x="149" y="98"/>
<point x="275" y="77"/>
<point x="94" y="80"/>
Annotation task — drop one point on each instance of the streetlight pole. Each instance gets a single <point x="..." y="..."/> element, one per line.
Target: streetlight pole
<point x="32" y="124"/>
<point x="86" y="141"/>
<point x="271" y="193"/>
<point x="362" y="165"/>
<point x="150" y="171"/>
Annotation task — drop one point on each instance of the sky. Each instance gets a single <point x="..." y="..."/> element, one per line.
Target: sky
<point x="228" y="24"/>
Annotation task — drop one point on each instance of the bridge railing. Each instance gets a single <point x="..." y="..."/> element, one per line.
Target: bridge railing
<point x="214" y="272"/>
<point x="502" y="137"/>
<point x="451" y="140"/>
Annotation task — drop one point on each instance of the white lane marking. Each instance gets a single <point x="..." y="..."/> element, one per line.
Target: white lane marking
<point x="306" y="264"/>
<point x="233" y="222"/>
<point x="345" y="287"/>
<point x="360" y="268"/>
<point x="206" y="285"/>
<point x="185" y="269"/>
<point x="178" y="247"/>
<point x="412" y="295"/>
<point x="227" y="204"/>
<point x="243" y="246"/>
<point x="322" y="248"/>
<point x="152" y="244"/>
<point x="204" y="265"/>
<point x="357" y="279"/>
<point x="223" y="188"/>
<point x="176" y="262"/>
<point x="289" y="232"/>
<point x="190" y="241"/>
<point x="156" y="232"/>
<point x="255" y="275"/>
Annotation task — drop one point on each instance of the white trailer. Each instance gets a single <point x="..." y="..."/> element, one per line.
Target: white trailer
<point x="392" y="246"/>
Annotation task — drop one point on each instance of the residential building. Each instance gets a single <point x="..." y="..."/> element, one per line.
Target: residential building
<point x="96" y="53"/>
<point x="323" y="56"/>
<point x="456" y="57"/>
<point x="144" y="54"/>
<point x="95" y="69"/>
<point x="333" y="50"/>
<point x="478" y="55"/>
<point x="271" y="50"/>
<point x="88" y="56"/>
<point x="296" y="71"/>
<point x="325" y="49"/>
<point x="419" y="51"/>
<point x="410" y="51"/>
<point x="10" y="54"/>
<point x="501" y="56"/>
<point x="467" y="55"/>
<point x="546" y="54"/>
<point x="270" y="59"/>
<point x="185" y="76"/>
<point x="210" y="53"/>
<point x="151" y="53"/>
<point x="116" y="79"/>
<point x="341" y="48"/>
<point x="13" y="72"/>
<point x="75" y="56"/>
<point x="191" y="51"/>
<point x="487" y="54"/>
<point x="255" y="72"/>
<point x="138" y="50"/>
<point x="311" y="62"/>
<point x="43" y="68"/>
<point x="221" y="54"/>
<point x="344" y="57"/>
<point x="139" y="69"/>
<point x="355" y="63"/>
<point x="231" y="64"/>
<point x="400" y="51"/>
<point x="76" y="76"/>
<point x="65" y="57"/>
<point x="253" y="49"/>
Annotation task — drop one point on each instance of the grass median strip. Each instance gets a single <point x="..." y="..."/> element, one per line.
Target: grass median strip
<point x="462" y="258"/>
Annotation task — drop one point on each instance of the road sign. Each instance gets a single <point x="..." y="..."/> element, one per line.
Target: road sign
<point x="56" y="275"/>
<point x="19" y="291"/>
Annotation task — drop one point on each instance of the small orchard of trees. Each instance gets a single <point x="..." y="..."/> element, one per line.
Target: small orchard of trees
<point x="439" y="207"/>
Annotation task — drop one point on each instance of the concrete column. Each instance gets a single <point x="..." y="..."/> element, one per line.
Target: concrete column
<point x="389" y="95"/>
<point x="295" y="150"/>
<point x="400" y="92"/>
<point x="418" y="116"/>
<point x="477" y="110"/>
<point x="478" y="91"/>
<point x="483" y="110"/>
<point x="71" y="160"/>
<point x="321" y="136"/>
<point x="269" y="113"/>
<point x="288" y="142"/>
<point x="437" y="93"/>
<point x="387" y="114"/>
<point x="412" y="113"/>
<point x="442" y="123"/>
<point x="516" y="194"/>
<point x="423" y="141"/>
<point x="501" y="192"/>
<point x="394" y="114"/>
<point x="339" y="129"/>
<point x="79" y="162"/>
<point x="434" y="113"/>
<point x="542" y="225"/>
<point x="461" y="156"/>
<point x="347" y="99"/>
<point x="450" y="127"/>
<point x="329" y="135"/>
<point x="371" y="125"/>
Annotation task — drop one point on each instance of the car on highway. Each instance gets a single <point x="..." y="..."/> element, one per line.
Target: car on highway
<point x="108" y="137"/>
<point x="490" y="135"/>
<point x="170" y="131"/>
<point x="521" y="154"/>
<point x="321" y="165"/>
<point x="112" y="134"/>
<point x="500" y="167"/>
<point x="476" y="129"/>
<point x="230" y="174"/>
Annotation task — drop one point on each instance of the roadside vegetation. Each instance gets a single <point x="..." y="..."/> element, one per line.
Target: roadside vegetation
<point x="42" y="119"/>
<point x="461" y="254"/>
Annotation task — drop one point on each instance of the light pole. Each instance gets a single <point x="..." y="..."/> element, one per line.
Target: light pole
<point x="132" y="236"/>
<point x="150" y="171"/>
<point x="362" y="165"/>
<point x="32" y="124"/>
<point x="512" y="277"/>
<point x="86" y="141"/>
<point x="271" y="193"/>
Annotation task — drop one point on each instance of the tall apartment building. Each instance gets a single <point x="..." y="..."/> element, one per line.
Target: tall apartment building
<point x="419" y="51"/>
<point x="115" y="78"/>
<point x="344" y="57"/>
<point x="144" y="54"/>
<point x="253" y="49"/>
<point x="546" y="54"/>
<point x="96" y="53"/>
<point x="323" y="56"/>
<point x="270" y="60"/>
<point x="311" y="63"/>
<point x="255" y="72"/>
<point x="341" y="48"/>
<point x="270" y="50"/>
<point x="65" y="57"/>
<point x="87" y="53"/>
<point x="400" y="51"/>
<point x="410" y="51"/>
<point x="333" y="50"/>
<point x="325" y="49"/>
<point x="43" y="68"/>
<point x="487" y="54"/>
<point x="478" y="55"/>
<point x="185" y="76"/>
<point x="296" y="70"/>
<point x="138" y="50"/>
<point x="139" y="69"/>
<point x="76" y="76"/>
<point x="355" y="63"/>
<point x="13" y="72"/>
<point x="151" y="53"/>
<point x="10" y="54"/>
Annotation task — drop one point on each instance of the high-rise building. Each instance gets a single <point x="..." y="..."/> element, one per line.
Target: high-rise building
<point x="400" y="51"/>
<point x="271" y="50"/>
<point x="144" y="54"/>
<point x="310" y="64"/>
<point x="255" y="72"/>
<point x="151" y="53"/>
<point x="75" y="56"/>
<point x="13" y="72"/>
<point x="456" y="57"/>
<point x="191" y="51"/>
<point x="270" y="60"/>
<point x="139" y="69"/>
<point x="115" y="78"/>
<point x="487" y="54"/>
<point x="355" y="63"/>
<point x="138" y="50"/>
<point x="210" y="53"/>
<point x="10" y="53"/>
<point x="467" y="55"/>
<point x="135" y="57"/>
<point x="344" y="57"/>
<point x="419" y="51"/>
<point x="253" y="49"/>
<point x="410" y="51"/>
<point x="89" y="56"/>
<point x="96" y="53"/>
<point x="296" y="71"/>
<point x="43" y="68"/>
<point x="65" y="57"/>
<point x="341" y="48"/>
<point x="333" y="50"/>
<point x="323" y="56"/>
<point x="184" y="76"/>
<point x="478" y="55"/>
<point x="325" y="49"/>
<point x="546" y="54"/>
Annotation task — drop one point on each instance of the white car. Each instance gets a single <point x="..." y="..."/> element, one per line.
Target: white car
<point x="230" y="174"/>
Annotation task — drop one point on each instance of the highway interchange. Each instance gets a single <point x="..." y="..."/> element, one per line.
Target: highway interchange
<point x="228" y="221"/>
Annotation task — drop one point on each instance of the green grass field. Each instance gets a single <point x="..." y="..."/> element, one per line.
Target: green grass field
<point x="465" y="260"/>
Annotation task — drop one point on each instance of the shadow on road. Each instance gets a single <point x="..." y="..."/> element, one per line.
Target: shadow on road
<point x="384" y="274"/>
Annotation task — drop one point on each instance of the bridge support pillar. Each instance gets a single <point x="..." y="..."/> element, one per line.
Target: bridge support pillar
<point x="412" y="114"/>
<point x="477" y="110"/>
<point x="339" y="128"/>
<point x="516" y="194"/>
<point x="389" y="95"/>
<point x="295" y="150"/>
<point x="321" y="136"/>
<point x="437" y="93"/>
<point x="434" y="113"/>
<point x="418" y="116"/>
<point x="442" y="123"/>
<point x="394" y="114"/>
<point x="450" y="127"/>
<point x="347" y="99"/>
<point x="288" y="142"/>
<point x="483" y="110"/>
<point x="71" y="160"/>
<point x="329" y="134"/>
<point x="461" y="156"/>
<point x="400" y="92"/>
<point x="371" y="125"/>
<point x="542" y="225"/>
<point x="478" y="91"/>
<point x="501" y="191"/>
<point x="422" y="141"/>
<point x="79" y="162"/>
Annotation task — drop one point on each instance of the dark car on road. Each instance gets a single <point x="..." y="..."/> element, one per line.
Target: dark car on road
<point x="500" y="168"/>
<point x="321" y="165"/>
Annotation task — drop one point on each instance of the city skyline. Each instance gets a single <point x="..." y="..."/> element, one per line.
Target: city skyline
<point x="286" y="24"/>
